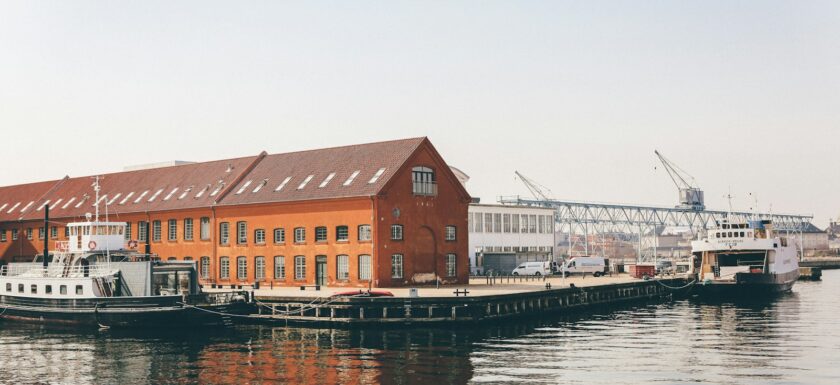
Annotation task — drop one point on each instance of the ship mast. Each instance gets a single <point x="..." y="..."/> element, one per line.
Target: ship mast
<point x="96" y="189"/>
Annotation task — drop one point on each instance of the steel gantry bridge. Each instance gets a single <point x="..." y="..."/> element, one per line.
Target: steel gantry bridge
<point x="597" y="220"/>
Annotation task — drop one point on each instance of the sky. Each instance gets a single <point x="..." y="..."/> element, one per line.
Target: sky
<point x="744" y="95"/>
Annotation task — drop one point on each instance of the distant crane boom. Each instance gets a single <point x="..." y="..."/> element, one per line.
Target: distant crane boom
<point x="536" y="189"/>
<point x="690" y="195"/>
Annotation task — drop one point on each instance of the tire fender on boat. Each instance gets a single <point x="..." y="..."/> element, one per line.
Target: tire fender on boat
<point x="92" y="245"/>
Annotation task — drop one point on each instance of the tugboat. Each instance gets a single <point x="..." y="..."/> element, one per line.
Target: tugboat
<point x="93" y="279"/>
<point x="745" y="259"/>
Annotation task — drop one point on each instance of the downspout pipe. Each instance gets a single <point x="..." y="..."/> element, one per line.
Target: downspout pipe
<point x="46" y="235"/>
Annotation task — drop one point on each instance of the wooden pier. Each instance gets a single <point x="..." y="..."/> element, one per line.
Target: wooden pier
<point x="464" y="309"/>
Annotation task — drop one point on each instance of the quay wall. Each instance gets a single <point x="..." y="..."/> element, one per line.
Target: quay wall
<point x="378" y="311"/>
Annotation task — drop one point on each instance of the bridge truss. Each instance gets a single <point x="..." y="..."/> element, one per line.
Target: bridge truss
<point x="590" y="223"/>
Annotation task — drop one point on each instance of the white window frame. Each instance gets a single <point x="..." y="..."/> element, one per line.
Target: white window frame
<point x="451" y="233"/>
<point x="300" y="267"/>
<point x="259" y="268"/>
<point x="279" y="268"/>
<point x="300" y="234"/>
<point x="279" y="235"/>
<point x="189" y="229"/>
<point x="342" y="267"/>
<point x="365" y="267"/>
<point x="242" y="268"/>
<point x="365" y="233"/>
<point x="397" y="266"/>
<point x="397" y="232"/>
<point x="451" y="265"/>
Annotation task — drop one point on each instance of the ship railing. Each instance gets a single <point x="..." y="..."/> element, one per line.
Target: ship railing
<point x="77" y="271"/>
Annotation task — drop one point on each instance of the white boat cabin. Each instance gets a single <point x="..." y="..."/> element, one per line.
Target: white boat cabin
<point x="85" y="237"/>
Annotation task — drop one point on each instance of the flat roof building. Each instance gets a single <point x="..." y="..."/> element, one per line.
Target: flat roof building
<point x="381" y="214"/>
<point x="503" y="236"/>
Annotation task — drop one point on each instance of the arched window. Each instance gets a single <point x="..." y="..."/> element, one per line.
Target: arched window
<point x="424" y="181"/>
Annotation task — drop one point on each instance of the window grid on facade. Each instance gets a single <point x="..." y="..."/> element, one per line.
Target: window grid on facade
<point x="173" y="230"/>
<point x="242" y="268"/>
<point x="156" y="228"/>
<point x="397" y="266"/>
<point x="300" y="235"/>
<point x="506" y="223"/>
<point x="2" y="235"/>
<point x="342" y="265"/>
<point x="188" y="229"/>
<point x="532" y="224"/>
<point x="514" y="223"/>
<point x="450" y="233"/>
<point x="259" y="268"/>
<point x="224" y="268"/>
<point x="300" y="267"/>
<point x="364" y="267"/>
<point x="364" y="233"/>
<point x="205" y="228"/>
<point x="241" y="232"/>
<point x="29" y="233"/>
<point x="497" y="223"/>
<point x="342" y="233"/>
<point x="224" y="233"/>
<point x="259" y="236"/>
<point x="127" y="231"/>
<point x="488" y="223"/>
<point x="204" y="269"/>
<point x="279" y="267"/>
<point x="320" y="234"/>
<point x="479" y="222"/>
<point x="279" y="235"/>
<point x="396" y="232"/>
<point x="450" y="265"/>
<point x="142" y="231"/>
<point x="41" y="233"/>
<point x="53" y="232"/>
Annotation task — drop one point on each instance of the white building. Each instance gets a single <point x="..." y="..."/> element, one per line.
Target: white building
<point x="503" y="236"/>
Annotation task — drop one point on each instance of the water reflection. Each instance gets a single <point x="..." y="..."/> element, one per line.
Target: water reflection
<point x="791" y="339"/>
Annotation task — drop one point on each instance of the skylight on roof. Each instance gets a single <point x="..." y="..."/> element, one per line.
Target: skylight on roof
<point x="27" y="206"/>
<point x="283" y="184"/>
<point x="4" y="206"/>
<point x="244" y="186"/>
<point x="184" y="194"/>
<point x="139" y="198"/>
<point x="82" y="201"/>
<point x="102" y="198"/>
<point x="56" y="203"/>
<point x="326" y="180"/>
<point x="351" y="178"/>
<point x="171" y="193"/>
<point x="122" y="202"/>
<point x="218" y="188"/>
<point x="201" y="193"/>
<point x="155" y="195"/>
<point x="305" y="181"/>
<point x="261" y="185"/>
<point x="117" y="196"/>
<point x="69" y="201"/>
<point x="377" y="175"/>
<point x="41" y="207"/>
<point x="13" y="208"/>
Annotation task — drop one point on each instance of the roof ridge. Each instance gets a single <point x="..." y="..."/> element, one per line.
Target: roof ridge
<point x="418" y="138"/>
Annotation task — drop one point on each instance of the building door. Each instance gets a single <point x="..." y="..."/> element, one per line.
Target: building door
<point x="321" y="270"/>
<point x="424" y="257"/>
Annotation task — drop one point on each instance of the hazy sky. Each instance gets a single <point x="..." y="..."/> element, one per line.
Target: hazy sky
<point x="745" y="95"/>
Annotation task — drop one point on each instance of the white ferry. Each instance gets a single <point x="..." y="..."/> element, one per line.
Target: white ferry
<point x="96" y="279"/>
<point x="745" y="259"/>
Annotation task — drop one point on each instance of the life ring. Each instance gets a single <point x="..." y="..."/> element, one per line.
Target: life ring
<point x="92" y="245"/>
<point x="132" y="244"/>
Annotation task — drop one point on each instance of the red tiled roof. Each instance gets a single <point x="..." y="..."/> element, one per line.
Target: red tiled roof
<point x="164" y="188"/>
<point x="340" y="162"/>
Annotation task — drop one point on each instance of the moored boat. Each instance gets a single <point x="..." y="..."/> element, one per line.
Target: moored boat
<point x="745" y="259"/>
<point x="96" y="279"/>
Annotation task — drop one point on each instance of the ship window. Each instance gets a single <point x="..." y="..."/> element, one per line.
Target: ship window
<point x="723" y="234"/>
<point x="62" y="289"/>
<point x="717" y="235"/>
<point x="9" y="287"/>
<point x="79" y="290"/>
<point x="749" y="233"/>
<point x="742" y="234"/>
<point x="48" y="289"/>
<point x="34" y="289"/>
<point x="730" y="234"/>
<point x="20" y="288"/>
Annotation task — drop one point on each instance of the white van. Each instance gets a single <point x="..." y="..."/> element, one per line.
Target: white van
<point x="580" y="265"/>
<point x="532" y="268"/>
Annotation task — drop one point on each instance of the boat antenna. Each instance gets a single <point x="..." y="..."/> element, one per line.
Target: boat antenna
<point x="729" y="197"/>
<point x="96" y="189"/>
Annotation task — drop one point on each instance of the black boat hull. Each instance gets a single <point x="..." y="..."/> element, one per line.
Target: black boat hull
<point x="121" y="312"/>
<point x="749" y="285"/>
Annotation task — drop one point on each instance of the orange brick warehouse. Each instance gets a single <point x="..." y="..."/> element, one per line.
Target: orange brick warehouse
<point x="380" y="214"/>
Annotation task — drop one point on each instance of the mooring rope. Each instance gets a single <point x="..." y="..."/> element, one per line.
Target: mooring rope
<point x="677" y="288"/>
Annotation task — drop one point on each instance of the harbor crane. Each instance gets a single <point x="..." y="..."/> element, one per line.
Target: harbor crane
<point x="540" y="192"/>
<point x="690" y="195"/>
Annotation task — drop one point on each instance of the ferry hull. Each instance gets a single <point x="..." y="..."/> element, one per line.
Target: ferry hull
<point x="126" y="312"/>
<point x="748" y="285"/>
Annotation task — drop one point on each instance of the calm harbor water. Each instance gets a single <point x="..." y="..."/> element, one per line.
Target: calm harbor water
<point x="793" y="339"/>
